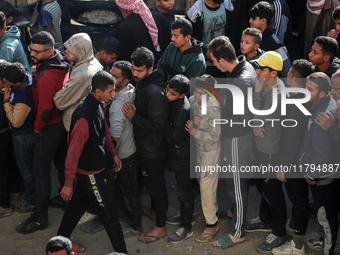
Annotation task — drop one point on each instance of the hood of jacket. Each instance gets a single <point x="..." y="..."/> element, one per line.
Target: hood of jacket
<point x="12" y="33"/>
<point x="197" y="47"/>
<point x="57" y="61"/>
<point x="81" y="46"/>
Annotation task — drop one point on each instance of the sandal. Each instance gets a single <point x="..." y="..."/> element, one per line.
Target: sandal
<point x="4" y="214"/>
<point x="22" y="206"/>
<point x="207" y="236"/>
<point x="77" y="248"/>
<point x="225" y="242"/>
<point x="128" y="232"/>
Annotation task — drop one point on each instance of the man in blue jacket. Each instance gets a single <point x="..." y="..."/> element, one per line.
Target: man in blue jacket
<point x="316" y="157"/>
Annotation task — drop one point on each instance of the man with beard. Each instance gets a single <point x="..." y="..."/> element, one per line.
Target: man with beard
<point x="52" y="66"/>
<point x="317" y="151"/>
<point x="149" y="116"/>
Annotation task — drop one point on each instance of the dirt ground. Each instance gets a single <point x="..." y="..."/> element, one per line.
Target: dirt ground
<point x="13" y="243"/>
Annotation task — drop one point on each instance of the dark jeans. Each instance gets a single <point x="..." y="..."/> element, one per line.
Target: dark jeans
<point x="297" y="191"/>
<point x="46" y="145"/>
<point x="152" y="170"/>
<point x="9" y="172"/>
<point x="324" y="202"/>
<point x="91" y="189"/>
<point x="60" y="158"/>
<point x="127" y="180"/>
<point x="186" y="195"/>
<point x="273" y="204"/>
<point x="24" y="152"/>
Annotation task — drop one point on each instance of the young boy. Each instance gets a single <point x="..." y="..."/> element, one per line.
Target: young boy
<point x="334" y="33"/>
<point x="208" y="147"/>
<point x="89" y="135"/>
<point x="178" y="157"/>
<point x="165" y="7"/>
<point x="250" y="43"/>
<point x="322" y="55"/>
<point x="260" y="16"/>
<point x="18" y="104"/>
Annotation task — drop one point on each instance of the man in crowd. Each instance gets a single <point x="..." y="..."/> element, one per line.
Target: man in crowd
<point x="149" y="116"/>
<point x="52" y="67"/>
<point x="237" y="140"/>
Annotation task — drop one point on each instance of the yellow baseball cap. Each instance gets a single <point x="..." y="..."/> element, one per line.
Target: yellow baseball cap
<point x="269" y="59"/>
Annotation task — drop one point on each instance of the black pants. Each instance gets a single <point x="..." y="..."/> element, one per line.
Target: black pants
<point x="9" y="171"/>
<point x="46" y="146"/>
<point x="327" y="214"/>
<point x="297" y="191"/>
<point x="127" y="180"/>
<point x="92" y="189"/>
<point x="185" y="194"/>
<point x="273" y="204"/>
<point x="153" y="179"/>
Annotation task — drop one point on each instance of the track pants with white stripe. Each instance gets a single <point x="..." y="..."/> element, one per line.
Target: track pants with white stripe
<point x="237" y="152"/>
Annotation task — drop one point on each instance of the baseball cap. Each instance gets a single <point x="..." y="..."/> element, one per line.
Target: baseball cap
<point x="269" y="59"/>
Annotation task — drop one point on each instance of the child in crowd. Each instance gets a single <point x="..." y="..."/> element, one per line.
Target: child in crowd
<point x="178" y="157"/>
<point x="208" y="147"/>
<point x="18" y="104"/>
<point x="250" y="43"/>
<point x="165" y="7"/>
<point x="334" y="33"/>
<point x="261" y="15"/>
<point x="322" y="55"/>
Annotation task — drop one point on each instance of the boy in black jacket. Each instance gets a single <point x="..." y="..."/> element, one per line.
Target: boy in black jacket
<point x="89" y="134"/>
<point x="178" y="157"/>
<point x="260" y="16"/>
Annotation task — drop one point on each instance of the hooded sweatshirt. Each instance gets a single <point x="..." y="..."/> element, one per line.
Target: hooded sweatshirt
<point x="81" y="73"/>
<point x="190" y="62"/>
<point x="11" y="48"/>
<point x="47" y="80"/>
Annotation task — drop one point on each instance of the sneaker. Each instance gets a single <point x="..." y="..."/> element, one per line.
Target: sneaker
<point x="31" y="225"/>
<point x="271" y="242"/>
<point x="288" y="248"/>
<point x="180" y="235"/>
<point x="86" y="218"/>
<point x="177" y="219"/>
<point x="257" y="225"/>
<point x="315" y="244"/>
<point x="58" y="202"/>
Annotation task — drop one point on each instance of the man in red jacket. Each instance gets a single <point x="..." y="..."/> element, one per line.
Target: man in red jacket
<point x="52" y="67"/>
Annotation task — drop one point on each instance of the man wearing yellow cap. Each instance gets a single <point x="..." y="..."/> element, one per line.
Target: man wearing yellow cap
<point x="272" y="216"/>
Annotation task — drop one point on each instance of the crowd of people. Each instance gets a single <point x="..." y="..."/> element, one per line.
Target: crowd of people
<point x="113" y="120"/>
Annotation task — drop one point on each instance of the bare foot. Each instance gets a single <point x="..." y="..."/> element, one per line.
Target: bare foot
<point x="6" y="210"/>
<point x="156" y="232"/>
<point x="234" y="239"/>
<point x="150" y="213"/>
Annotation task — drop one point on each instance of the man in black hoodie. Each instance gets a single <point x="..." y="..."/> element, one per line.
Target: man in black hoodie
<point x="148" y="116"/>
<point x="237" y="138"/>
<point x="322" y="55"/>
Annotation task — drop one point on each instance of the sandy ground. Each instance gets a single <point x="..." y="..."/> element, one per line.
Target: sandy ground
<point x="12" y="243"/>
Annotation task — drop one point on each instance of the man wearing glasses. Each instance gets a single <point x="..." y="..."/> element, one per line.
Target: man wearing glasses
<point x="52" y="66"/>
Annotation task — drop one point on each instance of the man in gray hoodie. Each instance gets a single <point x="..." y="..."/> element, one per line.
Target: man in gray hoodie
<point x="83" y="67"/>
